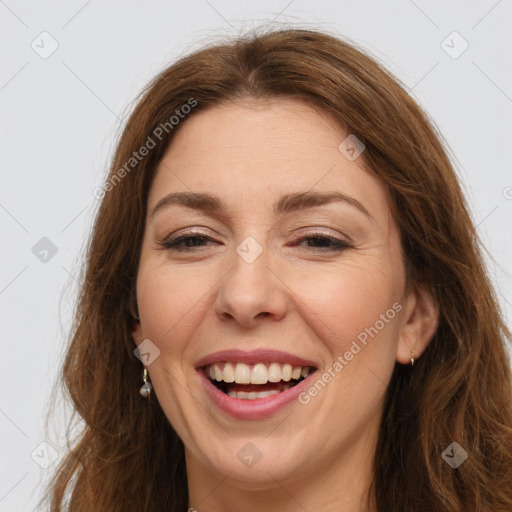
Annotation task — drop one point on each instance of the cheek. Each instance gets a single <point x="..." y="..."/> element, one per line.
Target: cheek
<point x="169" y="305"/>
<point x="351" y="303"/>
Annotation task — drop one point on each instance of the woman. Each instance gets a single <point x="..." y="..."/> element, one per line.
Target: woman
<point x="284" y="264"/>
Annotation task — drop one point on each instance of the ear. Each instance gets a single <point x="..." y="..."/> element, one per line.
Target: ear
<point x="419" y="324"/>
<point x="133" y="309"/>
<point x="137" y="333"/>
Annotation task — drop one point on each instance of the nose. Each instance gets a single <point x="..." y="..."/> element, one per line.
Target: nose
<point x="251" y="293"/>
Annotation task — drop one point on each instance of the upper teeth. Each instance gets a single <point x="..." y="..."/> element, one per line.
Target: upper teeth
<point x="260" y="373"/>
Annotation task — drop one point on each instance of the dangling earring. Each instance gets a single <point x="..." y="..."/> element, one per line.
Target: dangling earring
<point x="412" y="359"/>
<point x="145" y="389"/>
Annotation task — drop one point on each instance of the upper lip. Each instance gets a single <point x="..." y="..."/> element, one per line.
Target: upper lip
<point x="254" y="357"/>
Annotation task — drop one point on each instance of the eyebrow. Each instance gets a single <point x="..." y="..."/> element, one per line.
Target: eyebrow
<point x="288" y="203"/>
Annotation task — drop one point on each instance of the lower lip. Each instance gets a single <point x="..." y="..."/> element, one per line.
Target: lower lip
<point x="258" y="409"/>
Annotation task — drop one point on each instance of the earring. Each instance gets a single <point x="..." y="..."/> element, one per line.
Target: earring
<point x="412" y="359"/>
<point x="145" y="389"/>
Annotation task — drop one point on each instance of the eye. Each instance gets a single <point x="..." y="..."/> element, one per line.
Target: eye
<point x="194" y="241"/>
<point x="320" y="242"/>
<point x="186" y="242"/>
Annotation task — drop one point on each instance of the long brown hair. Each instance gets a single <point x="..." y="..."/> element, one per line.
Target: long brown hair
<point x="128" y="457"/>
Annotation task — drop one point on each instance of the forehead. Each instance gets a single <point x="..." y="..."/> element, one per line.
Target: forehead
<point x="254" y="152"/>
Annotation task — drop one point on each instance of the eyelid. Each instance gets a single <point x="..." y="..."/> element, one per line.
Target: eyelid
<point x="337" y="238"/>
<point x="170" y="237"/>
<point x="191" y="231"/>
<point x="197" y="230"/>
<point x="322" y="232"/>
<point x="295" y="234"/>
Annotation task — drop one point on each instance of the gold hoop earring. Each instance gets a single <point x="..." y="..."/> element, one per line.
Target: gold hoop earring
<point x="145" y="389"/>
<point x="412" y="359"/>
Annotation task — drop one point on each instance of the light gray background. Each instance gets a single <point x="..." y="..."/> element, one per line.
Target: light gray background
<point x="60" y="115"/>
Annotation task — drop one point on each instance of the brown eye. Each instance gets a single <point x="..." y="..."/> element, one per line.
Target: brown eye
<point x="323" y="243"/>
<point x="186" y="242"/>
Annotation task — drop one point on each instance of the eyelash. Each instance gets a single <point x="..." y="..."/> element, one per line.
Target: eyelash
<point x="174" y="244"/>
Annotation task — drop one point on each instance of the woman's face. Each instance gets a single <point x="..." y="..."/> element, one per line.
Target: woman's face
<point x="269" y="253"/>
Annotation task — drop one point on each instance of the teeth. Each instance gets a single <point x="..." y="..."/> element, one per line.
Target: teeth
<point x="229" y="373"/>
<point x="259" y="374"/>
<point x="286" y="372"/>
<point x="253" y="395"/>
<point x="274" y="372"/>
<point x="242" y="373"/>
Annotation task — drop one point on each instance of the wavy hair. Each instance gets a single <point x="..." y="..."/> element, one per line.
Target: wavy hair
<point x="127" y="456"/>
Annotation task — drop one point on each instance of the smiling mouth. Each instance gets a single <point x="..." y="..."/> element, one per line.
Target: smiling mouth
<point x="250" y="382"/>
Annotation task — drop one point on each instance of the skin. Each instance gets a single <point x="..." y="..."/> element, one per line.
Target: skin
<point x="297" y="296"/>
